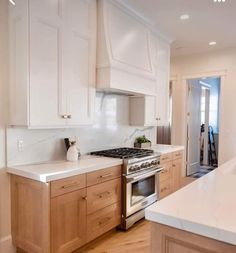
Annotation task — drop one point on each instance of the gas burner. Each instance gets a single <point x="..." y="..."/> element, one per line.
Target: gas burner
<point x="124" y="153"/>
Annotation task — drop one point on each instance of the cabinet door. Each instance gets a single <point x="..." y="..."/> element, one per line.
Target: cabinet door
<point x="177" y="166"/>
<point x="68" y="221"/>
<point x="45" y="91"/>
<point x="79" y="45"/>
<point x="163" y="65"/>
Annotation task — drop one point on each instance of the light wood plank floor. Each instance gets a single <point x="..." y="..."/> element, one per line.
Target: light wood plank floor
<point x="135" y="240"/>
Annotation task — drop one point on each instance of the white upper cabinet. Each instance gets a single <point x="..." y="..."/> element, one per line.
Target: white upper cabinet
<point x="161" y="51"/>
<point x="124" y="60"/>
<point x="154" y="110"/>
<point x="53" y="49"/>
<point x="143" y="111"/>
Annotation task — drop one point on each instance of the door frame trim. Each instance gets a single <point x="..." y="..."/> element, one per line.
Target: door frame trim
<point x="182" y="80"/>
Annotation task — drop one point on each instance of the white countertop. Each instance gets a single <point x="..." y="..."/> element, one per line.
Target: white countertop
<point x="206" y="207"/>
<point x="46" y="172"/>
<point x="164" y="149"/>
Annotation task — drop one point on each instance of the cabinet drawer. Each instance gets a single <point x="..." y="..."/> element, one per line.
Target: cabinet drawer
<point x="103" y="221"/>
<point x="103" y="195"/>
<point x="178" y="155"/>
<point x="103" y="175"/>
<point x="66" y="185"/>
<point x="166" y="172"/>
<point x="166" y="158"/>
<point x="165" y="188"/>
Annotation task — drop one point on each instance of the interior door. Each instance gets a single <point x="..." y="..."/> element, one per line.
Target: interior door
<point x="193" y="126"/>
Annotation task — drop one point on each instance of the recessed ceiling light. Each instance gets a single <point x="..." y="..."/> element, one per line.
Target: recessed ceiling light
<point x="184" y="17"/>
<point x="212" y="43"/>
<point x="219" y="1"/>
<point x="12" y="2"/>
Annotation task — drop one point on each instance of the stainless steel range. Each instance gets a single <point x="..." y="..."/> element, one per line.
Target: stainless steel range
<point x="140" y="179"/>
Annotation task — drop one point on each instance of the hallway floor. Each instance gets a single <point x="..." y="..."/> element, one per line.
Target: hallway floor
<point x="203" y="171"/>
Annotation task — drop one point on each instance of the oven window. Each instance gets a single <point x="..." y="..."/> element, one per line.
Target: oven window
<point x="142" y="189"/>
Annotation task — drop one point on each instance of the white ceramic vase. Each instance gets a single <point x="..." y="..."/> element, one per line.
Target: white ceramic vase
<point x="72" y="153"/>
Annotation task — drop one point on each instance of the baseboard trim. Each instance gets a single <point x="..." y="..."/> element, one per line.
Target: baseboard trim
<point x="6" y="245"/>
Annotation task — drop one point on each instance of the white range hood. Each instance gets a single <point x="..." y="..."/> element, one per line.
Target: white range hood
<point x="124" y="55"/>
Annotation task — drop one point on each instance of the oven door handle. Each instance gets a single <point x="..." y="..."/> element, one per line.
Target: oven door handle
<point x="132" y="178"/>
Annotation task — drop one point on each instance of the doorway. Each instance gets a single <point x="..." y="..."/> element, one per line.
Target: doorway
<point x="203" y="96"/>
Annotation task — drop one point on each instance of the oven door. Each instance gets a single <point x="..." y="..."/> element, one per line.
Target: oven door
<point x="141" y="190"/>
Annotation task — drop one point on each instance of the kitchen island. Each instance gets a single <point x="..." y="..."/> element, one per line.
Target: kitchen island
<point x="199" y="218"/>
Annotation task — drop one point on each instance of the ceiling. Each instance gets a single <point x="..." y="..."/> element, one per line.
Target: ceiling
<point x="208" y="22"/>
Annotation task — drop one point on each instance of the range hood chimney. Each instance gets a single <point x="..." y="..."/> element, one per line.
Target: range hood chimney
<point x="125" y="55"/>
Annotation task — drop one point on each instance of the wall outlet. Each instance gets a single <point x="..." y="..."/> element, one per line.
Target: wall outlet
<point x="20" y="145"/>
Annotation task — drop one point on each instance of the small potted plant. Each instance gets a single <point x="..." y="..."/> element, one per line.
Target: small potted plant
<point x="142" y="142"/>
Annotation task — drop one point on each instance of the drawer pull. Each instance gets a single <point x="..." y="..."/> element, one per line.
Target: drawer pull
<point x="165" y="158"/>
<point x="164" y="171"/>
<point x="103" y="221"/>
<point x="174" y="165"/>
<point x="84" y="198"/>
<point x="106" y="175"/>
<point x="100" y="195"/>
<point x="164" y="189"/>
<point x="74" y="184"/>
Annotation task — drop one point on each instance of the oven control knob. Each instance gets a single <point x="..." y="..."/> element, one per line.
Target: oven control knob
<point x="153" y="162"/>
<point x="143" y="165"/>
<point x="136" y="167"/>
<point x="131" y="169"/>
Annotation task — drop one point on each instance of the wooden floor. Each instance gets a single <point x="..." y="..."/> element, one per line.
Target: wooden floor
<point x="135" y="240"/>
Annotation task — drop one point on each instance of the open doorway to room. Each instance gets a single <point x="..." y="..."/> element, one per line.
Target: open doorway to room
<point x="203" y="96"/>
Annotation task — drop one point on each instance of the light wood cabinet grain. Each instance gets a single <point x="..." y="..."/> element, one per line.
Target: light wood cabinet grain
<point x="66" y="185"/>
<point x="166" y="158"/>
<point x="176" y="174"/>
<point x="102" y="221"/>
<point x="165" y="188"/>
<point x="166" y="173"/>
<point x="63" y="215"/>
<point x="102" y="195"/>
<point x="30" y="215"/>
<point x="165" y="239"/>
<point x="178" y="155"/>
<point x="170" y="176"/>
<point x="68" y="221"/>
<point x="103" y="175"/>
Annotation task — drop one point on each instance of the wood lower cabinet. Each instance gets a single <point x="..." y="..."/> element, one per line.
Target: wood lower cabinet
<point x="63" y="215"/>
<point x="170" y="176"/>
<point x="102" y="195"/>
<point x="103" y="220"/>
<point x="68" y="221"/>
<point x="165" y="239"/>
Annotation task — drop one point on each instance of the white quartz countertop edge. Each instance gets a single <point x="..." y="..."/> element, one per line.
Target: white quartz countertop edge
<point x="50" y="171"/>
<point x="206" y="207"/>
<point x="193" y="227"/>
<point x="46" y="172"/>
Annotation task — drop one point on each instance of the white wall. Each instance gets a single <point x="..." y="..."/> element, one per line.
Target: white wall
<point x="5" y="239"/>
<point x="111" y="129"/>
<point x="203" y="65"/>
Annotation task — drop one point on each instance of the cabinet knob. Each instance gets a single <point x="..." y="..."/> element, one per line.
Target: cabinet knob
<point x="158" y="118"/>
<point x="66" y="116"/>
<point x="84" y="198"/>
